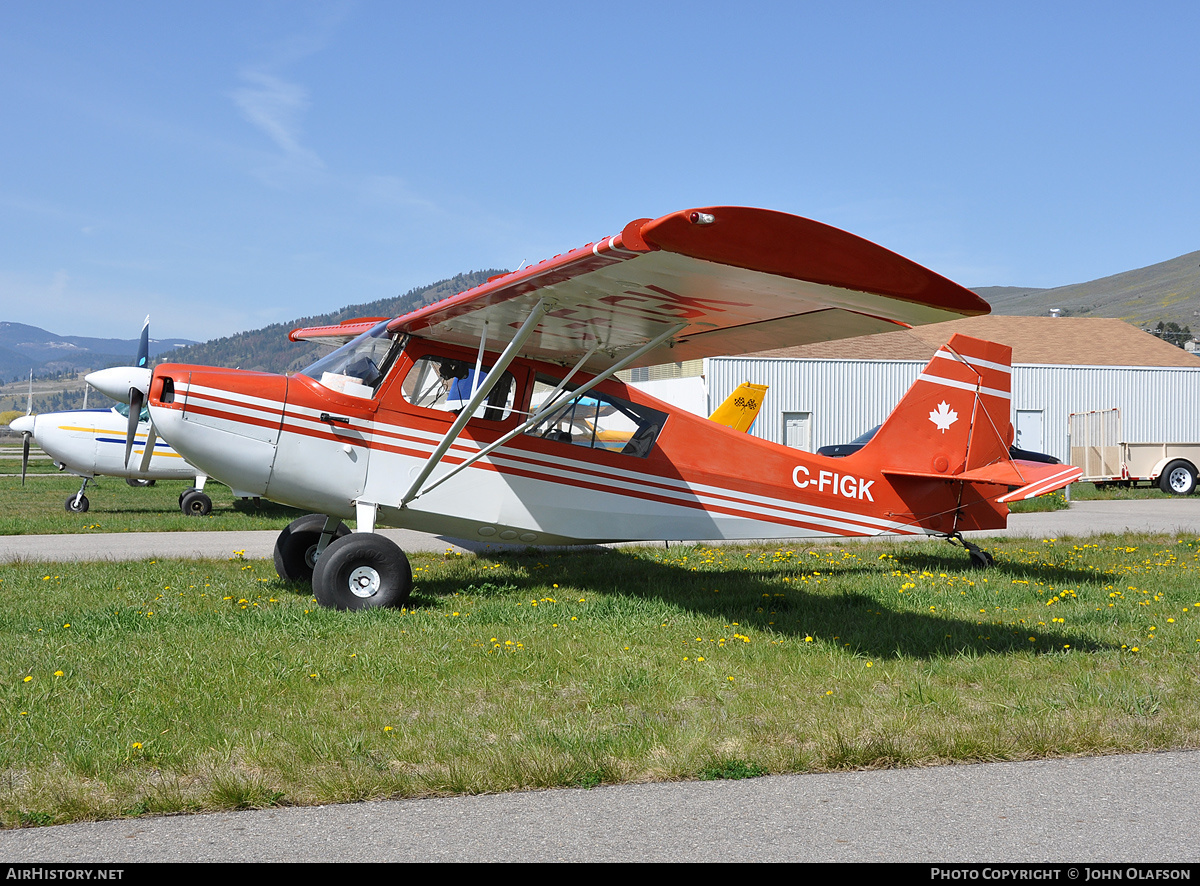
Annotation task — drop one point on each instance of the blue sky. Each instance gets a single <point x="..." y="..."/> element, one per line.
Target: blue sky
<point x="226" y="165"/>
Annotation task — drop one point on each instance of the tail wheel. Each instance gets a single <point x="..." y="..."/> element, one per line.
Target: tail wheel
<point x="296" y="547"/>
<point x="77" y="504"/>
<point x="196" y="504"/>
<point x="981" y="560"/>
<point x="1179" y="478"/>
<point x="362" y="571"/>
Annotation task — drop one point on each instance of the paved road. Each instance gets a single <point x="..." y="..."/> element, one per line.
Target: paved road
<point x="1108" y="809"/>
<point x="1104" y="809"/>
<point x="1169" y="516"/>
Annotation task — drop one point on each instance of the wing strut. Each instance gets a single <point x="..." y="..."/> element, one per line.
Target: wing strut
<point x="527" y="329"/>
<point x="554" y="402"/>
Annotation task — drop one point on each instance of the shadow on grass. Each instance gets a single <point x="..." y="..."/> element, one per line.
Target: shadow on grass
<point x="774" y="599"/>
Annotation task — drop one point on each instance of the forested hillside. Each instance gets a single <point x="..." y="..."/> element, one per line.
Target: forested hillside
<point x="269" y="350"/>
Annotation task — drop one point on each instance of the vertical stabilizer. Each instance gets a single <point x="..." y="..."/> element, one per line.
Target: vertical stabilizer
<point x="955" y="417"/>
<point x="740" y="408"/>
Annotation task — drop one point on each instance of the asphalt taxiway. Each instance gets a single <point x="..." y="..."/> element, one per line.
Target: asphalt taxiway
<point x="1168" y="516"/>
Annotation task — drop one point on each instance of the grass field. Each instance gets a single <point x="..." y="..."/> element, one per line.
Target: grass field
<point x="37" y="507"/>
<point x="157" y="687"/>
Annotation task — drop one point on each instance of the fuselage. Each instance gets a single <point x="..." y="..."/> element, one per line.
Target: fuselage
<point x="91" y="442"/>
<point x="620" y="465"/>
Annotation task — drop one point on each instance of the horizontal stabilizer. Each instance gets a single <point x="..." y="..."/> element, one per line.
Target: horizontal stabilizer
<point x="1031" y="478"/>
<point x="1040" y="479"/>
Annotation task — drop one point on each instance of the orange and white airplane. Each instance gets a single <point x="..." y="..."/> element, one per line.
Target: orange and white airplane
<point x="493" y="414"/>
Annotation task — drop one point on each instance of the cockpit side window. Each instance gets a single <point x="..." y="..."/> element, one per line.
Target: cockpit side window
<point x="597" y="421"/>
<point x="358" y="367"/>
<point x="448" y="384"/>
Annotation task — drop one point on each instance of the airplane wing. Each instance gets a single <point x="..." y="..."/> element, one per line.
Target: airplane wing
<point x="338" y="334"/>
<point x="740" y="280"/>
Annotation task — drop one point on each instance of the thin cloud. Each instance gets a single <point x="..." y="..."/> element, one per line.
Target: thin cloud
<point x="276" y="107"/>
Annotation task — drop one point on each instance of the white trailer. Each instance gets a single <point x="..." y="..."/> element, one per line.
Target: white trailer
<point x="1106" y="459"/>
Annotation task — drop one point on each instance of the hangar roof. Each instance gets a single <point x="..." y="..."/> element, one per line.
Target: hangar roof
<point x="1062" y="341"/>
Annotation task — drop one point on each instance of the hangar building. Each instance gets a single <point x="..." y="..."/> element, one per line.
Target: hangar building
<point x="830" y="392"/>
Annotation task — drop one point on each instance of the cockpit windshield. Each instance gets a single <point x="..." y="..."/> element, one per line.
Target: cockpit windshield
<point x="123" y="409"/>
<point x="357" y="367"/>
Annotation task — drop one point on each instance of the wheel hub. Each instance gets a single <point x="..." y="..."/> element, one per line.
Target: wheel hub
<point x="364" y="582"/>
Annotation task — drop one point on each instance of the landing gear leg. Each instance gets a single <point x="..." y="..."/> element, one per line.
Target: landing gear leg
<point x="78" y="503"/>
<point x="980" y="559"/>
<point x="302" y="543"/>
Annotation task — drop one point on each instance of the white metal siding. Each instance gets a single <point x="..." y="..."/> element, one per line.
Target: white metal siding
<point x="845" y="397"/>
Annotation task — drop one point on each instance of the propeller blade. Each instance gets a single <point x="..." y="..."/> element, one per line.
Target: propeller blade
<point x="29" y="402"/>
<point x="148" y="452"/>
<point x="25" y="455"/>
<point x="136" y="399"/>
<point x="143" y="354"/>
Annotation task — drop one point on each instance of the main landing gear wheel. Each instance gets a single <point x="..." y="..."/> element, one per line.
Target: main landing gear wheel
<point x="137" y="483"/>
<point x="1179" y="478"/>
<point x="195" y="504"/>
<point x="296" y="547"/>
<point x="362" y="571"/>
<point x="77" y="504"/>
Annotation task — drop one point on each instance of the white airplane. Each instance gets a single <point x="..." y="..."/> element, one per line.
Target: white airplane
<point x="95" y="442"/>
<point x="550" y="448"/>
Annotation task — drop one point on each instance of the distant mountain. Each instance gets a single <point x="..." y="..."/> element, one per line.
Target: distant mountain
<point x="1168" y="292"/>
<point x="60" y="383"/>
<point x="269" y="350"/>
<point x="29" y="347"/>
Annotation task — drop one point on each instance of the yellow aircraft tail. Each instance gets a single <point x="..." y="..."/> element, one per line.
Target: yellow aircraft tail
<point x="740" y="408"/>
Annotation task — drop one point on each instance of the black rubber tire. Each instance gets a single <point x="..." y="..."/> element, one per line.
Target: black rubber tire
<point x="80" y="508"/>
<point x="137" y="483"/>
<point x="362" y="571"/>
<point x="185" y="492"/>
<point x="1178" y="478"/>
<point x="982" y="560"/>
<point x="196" y="504"/>
<point x="296" y="547"/>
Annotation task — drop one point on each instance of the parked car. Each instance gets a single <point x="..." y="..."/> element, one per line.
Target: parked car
<point x="841" y="450"/>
